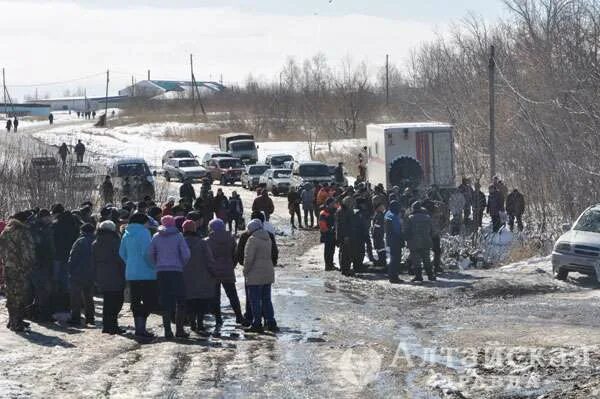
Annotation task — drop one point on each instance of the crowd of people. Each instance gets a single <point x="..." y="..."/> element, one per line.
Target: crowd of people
<point x="12" y="124"/>
<point x="365" y="222"/>
<point x="173" y="258"/>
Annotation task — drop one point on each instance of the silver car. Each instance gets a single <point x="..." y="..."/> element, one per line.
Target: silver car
<point x="578" y="249"/>
<point x="184" y="168"/>
<point x="251" y="176"/>
<point x="276" y="181"/>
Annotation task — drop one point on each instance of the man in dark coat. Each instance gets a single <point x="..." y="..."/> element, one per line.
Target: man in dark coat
<point x="79" y="150"/>
<point x="378" y="233"/>
<point x="8" y="125"/>
<point x="66" y="230"/>
<point x="15" y="124"/>
<point x="294" y="207"/>
<point x="418" y="238"/>
<point x="327" y="228"/>
<point x="107" y="191"/>
<point x="82" y="276"/>
<point x="338" y="173"/>
<point x="479" y="204"/>
<point x="187" y="192"/>
<point x="63" y="151"/>
<point x="495" y="205"/>
<point x="347" y="231"/>
<point x="515" y="207"/>
<point x="41" y="275"/>
<point x="264" y="203"/>
<point x="110" y="275"/>
<point x="395" y="240"/>
<point x="467" y="192"/>
<point x="51" y="118"/>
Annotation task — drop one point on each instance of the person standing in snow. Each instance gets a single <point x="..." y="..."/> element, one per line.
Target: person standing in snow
<point x="259" y="273"/>
<point x="515" y="207"/>
<point x="378" y="233"/>
<point x="110" y="275"/>
<point x="15" y="124"/>
<point x="394" y="239"/>
<point x="457" y="204"/>
<point x="187" y="192"/>
<point x="223" y="247"/>
<point x="139" y="272"/>
<point x="79" y="151"/>
<point x="170" y="253"/>
<point x="18" y="253"/>
<point x="264" y="203"/>
<point x="418" y="238"/>
<point x="63" y="151"/>
<point x="467" y="192"/>
<point x="66" y="231"/>
<point x="479" y="204"/>
<point x="327" y="227"/>
<point x="307" y="196"/>
<point x="495" y="205"/>
<point x="51" y="118"/>
<point x="294" y="207"/>
<point x="41" y="275"/>
<point x="107" y="190"/>
<point x="8" y="125"/>
<point x="81" y="277"/>
<point x="236" y="212"/>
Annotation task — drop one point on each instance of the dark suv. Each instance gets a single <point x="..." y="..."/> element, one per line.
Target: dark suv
<point x="226" y="170"/>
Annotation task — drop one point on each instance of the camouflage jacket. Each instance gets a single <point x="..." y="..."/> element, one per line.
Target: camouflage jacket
<point x="17" y="249"/>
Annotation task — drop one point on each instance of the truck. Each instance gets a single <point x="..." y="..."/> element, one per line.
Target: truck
<point x="414" y="155"/>
<point x="240" y="145"/>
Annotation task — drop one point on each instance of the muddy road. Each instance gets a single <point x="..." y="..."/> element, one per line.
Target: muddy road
<point x="509" y="332"/>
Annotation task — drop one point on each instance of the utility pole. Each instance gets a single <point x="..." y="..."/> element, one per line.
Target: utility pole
<point x="106" y="99"/>
<point x="221" y="80"/>
<point x="148" y="74"/>
<point x="387" y="80"/>
<point x="132" y="87"/>
<point x="193" y="88"/>
<point x="4" y="91"/>
<point x="492" y="149"/>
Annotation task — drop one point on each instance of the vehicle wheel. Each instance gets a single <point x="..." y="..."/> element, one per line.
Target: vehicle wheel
<point x="167" y="177"/>
<point x="561" y="274"/>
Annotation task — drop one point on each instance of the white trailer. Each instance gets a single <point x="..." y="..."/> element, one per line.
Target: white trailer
<point x="411" y="154"/>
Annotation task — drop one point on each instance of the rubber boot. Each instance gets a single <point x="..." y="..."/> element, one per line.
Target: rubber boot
<point x="167" y="325"/>
<point x="140" y="328"/>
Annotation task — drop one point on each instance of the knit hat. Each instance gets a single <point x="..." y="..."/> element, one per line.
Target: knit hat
<point x="167" y="221"/>
<point x="255" y="224"/>
<point x="189" y="226"/>
<point x="179" y="222"/>
<point x="107" y="225"/>
<point x="216" y="225"/>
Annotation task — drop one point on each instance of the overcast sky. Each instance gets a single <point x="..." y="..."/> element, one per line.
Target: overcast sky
<point x="55" y="41"/>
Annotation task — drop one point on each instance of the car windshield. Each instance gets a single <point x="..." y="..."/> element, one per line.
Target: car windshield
<point x="182" y="154"/>
<point x="314" y="170"/>
<point x="243" y="146"/>
<point x="258" y="170"/>
<point x="230" y="163"/>
<point x="589" y="221"/>
<point x="188" y="163"/>
<point x="133" y="169"/>
<point x="82" y="169"/>
<point x="281" y="173"/>
<point x="280" y="159"/>
<point x="220" y="155"/>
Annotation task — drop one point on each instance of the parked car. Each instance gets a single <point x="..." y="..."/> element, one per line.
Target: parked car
<point x="214" y="154"/>
<point x="225" y="170"/>
<point x="332" y="173"/>
<point x="184" y="168"/>
<point x="176" y="154"/>
<point x="310" y="171"/>
<point x="276" y="181"/>
<point x="84" y="174"/>
<point x="44" y="168"/>
<point x="278" y="160"/>
<point x="578" y="249"/>
<point x="251" y="175"/>
<point x="136" y="172"/>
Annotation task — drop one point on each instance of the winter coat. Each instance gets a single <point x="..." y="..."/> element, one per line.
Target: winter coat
<point x="378" y="199"/>
<point x="220" y="205"/>
<point x="43" y="241"/>
<point x="198" y="273"/>
<point x="343" y="224"/>
<point x="258" y="265"/>
<point x="263" y="203"/>
<point x="110" y="269"/>
<point x="467" y="192"/>
<point x="134" y="252"/>
<point x="107" y="189"/>
<point x="66" y="231"/>
<point x="495" y="203"/>
<point x="187" y="191"/>
<point x="293" y="200"/>
<point x="501" y="187"/>
<point x="378" y="227"/>
<point x="168" y="250"/>
<point x="222" y="246"/>
<point x="515" y="203"/>
<point x="307" y="197"/>
<point x="457" y="203"/>
<point x="418" y="231"/>
<point x="236" y="207"/>
<point x="338" y="174"/>
<point x="479" y="201"/>
<point x="79" y="148"/>
<point x="327" y="221"/>
<point x="393" y="229"/>
<point x="81" y="267"/>
<point x="439" y="218"/>
<point x="322" y="196"/>
<point x="241" y="247"/>
<point x="18" y="253"/>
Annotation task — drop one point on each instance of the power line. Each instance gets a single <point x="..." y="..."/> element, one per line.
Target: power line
<point x="58" y="82"/>
<point x="518" y="93"/>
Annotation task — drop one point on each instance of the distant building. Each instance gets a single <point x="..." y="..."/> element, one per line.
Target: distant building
<point x="169" y="89"/>
<point x="81" y="104"/>
<point x="29" y="109"/>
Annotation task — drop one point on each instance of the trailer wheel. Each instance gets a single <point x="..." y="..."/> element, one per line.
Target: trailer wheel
<point x="406" y="172"/>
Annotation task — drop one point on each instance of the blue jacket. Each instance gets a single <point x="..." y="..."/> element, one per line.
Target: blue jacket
<point x="134" y="252"/>
<point x="393" y="229"/>
<point x="81" y="267"/>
